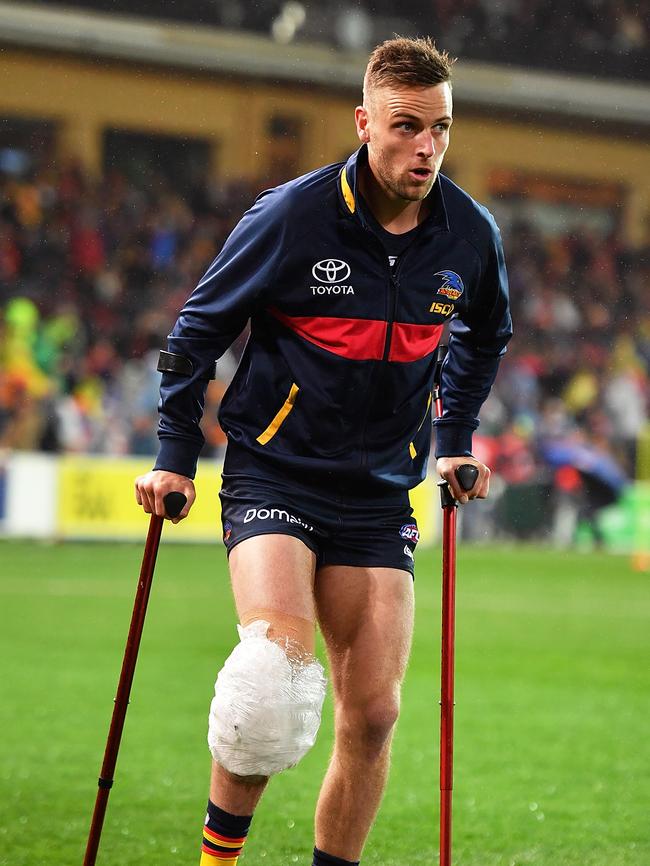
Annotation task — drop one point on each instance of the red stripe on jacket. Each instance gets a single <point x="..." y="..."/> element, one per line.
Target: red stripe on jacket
<point x="364" y="339"/>
<point x="357" y="339"/>
<point x="412" y="342"/>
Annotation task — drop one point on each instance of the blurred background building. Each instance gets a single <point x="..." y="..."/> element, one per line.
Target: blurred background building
<point x="134" y="135"/>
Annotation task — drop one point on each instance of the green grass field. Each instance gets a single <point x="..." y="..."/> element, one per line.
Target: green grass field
<point x="552" y="762"/>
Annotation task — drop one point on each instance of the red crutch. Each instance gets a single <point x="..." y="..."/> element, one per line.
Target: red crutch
<point x="466" y="475"/>
<point x="174" y="503"/>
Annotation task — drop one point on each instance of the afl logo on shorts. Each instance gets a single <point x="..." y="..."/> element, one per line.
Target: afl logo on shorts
<point x="227" y="530"/>
<point x="331" y="271"/>
<point x="410" y="532"/>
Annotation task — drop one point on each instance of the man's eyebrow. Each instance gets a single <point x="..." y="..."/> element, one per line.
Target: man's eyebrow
<point x="406" y="115"/>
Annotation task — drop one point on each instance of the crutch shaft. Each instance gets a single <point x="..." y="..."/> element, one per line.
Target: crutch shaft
<point x="466" y="475"/>
<point x="174" y="503"/>
<point x="447" y="682"/>
<point x="124" y="687"/>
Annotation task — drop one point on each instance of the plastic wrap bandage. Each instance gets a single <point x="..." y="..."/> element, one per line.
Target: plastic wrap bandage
<point x="267" y="706"/>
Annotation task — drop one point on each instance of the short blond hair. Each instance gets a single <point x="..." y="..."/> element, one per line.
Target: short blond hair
<point x="403" y="62"/>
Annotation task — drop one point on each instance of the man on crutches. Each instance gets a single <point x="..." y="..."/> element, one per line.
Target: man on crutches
<point x="348" y="276"/>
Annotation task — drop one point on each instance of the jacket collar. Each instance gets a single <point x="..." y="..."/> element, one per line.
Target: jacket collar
<point x="347" y="187"/>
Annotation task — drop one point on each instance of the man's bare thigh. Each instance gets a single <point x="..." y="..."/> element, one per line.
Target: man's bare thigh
<point x="272" y="578"/>
<point x="366" y="617"/>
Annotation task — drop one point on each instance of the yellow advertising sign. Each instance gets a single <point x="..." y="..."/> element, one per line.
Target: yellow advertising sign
<point x="96" y="499"/>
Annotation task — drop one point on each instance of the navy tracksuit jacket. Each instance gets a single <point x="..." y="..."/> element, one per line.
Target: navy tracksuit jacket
<point x="337" y="373"/>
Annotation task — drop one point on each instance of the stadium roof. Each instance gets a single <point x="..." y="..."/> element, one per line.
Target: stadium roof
<point x="215" y="50"/>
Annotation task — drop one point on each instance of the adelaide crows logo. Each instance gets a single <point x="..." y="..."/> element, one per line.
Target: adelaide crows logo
<point x="452" y="286"/>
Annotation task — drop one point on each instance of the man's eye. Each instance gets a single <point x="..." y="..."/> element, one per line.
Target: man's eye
<point x="406" y="126"/>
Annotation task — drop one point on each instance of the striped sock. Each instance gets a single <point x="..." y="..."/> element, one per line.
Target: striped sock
<point x="323" y="859"/>
<point x="223" y="837"/>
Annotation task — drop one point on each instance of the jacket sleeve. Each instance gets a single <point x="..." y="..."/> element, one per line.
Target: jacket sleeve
<point x="478" y="339"/>
<point x="213" y="317"/>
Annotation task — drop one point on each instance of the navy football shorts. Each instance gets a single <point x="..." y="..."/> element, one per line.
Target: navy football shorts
<point x="341" y="523"/>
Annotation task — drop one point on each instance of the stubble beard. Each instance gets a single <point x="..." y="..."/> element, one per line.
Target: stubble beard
<point x="409" y="193"/>
<point x="404" y="189"/>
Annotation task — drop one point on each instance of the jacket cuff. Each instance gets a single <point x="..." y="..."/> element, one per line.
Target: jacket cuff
<point x="177" y="455"/>
<point x="453" y="440"/>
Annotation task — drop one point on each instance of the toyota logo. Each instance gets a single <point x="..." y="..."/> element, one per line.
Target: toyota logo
<point x="331" y="271"/>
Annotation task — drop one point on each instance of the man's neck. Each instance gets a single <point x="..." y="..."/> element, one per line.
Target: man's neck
<point x="393" y="214"/>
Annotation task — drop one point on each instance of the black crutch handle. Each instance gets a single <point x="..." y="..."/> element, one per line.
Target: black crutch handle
<point x="466" y="474"/>
<point x="174" y="503"/>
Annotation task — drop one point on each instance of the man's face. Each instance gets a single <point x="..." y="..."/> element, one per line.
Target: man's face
<point x="407" y="132"/>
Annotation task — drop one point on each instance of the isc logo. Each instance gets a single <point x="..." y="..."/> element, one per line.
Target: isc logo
<point x="443" y="309"/>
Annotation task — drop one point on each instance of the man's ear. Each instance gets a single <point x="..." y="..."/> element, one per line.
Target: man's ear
<point x="361" y="121"/>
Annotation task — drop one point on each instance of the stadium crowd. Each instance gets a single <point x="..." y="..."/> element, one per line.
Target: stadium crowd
<point x="604" y="37"/>
<point x="593" y="37"/>
<point x="92" y="274"/>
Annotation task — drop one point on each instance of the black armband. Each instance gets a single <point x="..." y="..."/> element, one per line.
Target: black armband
<point x="169" y="362"/>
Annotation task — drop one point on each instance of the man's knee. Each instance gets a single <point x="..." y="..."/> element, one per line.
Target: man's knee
<point x="369" y="724"/>
<point x="266" y="711"/>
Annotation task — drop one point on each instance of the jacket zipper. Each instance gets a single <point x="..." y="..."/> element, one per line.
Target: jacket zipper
<point x="394" y="294"/>
<point x="393" y="284"/>
<point x="391" y="313"/>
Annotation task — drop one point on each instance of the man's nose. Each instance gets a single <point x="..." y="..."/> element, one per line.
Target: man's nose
<point x="426" y="144"/>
